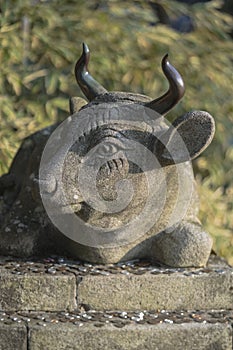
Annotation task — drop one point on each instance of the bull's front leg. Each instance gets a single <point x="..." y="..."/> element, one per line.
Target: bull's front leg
<point x="184" y="246"/>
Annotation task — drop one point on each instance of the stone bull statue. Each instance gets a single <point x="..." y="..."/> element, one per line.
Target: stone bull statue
<point x="113" y="182"/>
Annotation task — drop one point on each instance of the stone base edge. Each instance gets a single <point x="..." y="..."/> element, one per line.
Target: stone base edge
<point x="94" y="330"/>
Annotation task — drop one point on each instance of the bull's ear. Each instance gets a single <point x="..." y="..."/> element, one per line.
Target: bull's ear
<point x="186" y="138"/>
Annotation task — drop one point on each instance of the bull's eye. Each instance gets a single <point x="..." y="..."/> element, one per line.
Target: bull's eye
<point x="107" y="149"/>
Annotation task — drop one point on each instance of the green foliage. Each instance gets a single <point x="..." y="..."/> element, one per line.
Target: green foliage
<point x="40" y="42"/>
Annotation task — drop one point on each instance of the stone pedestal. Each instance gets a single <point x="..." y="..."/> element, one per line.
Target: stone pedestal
<point x="61" y="304"/>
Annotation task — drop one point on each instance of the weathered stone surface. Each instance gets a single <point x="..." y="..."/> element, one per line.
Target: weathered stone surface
<point x="128" y="286"/>
<point x="37" y="292"/>
<point x="116" y="330"/>
<point x="160" y="337"/>
<point x="193" y="250"/>
<point x="13" y="337"/>
<point x="176" y="291"/>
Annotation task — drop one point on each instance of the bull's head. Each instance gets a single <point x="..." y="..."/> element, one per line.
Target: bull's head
<point x="196" y="128"/>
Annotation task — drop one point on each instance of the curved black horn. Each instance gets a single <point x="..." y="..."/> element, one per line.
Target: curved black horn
<point x="89" y="86"/>
<point x="175" y="92"/>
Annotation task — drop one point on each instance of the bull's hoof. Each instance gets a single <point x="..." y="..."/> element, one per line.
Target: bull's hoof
<point x="188" y="245"/>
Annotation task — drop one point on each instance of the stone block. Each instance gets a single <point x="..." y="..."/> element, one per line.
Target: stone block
<point x="175" y="291"/>
<point x="13" y="337"/>
<point x="37" y="292"/>
<point x="190" y="336"/>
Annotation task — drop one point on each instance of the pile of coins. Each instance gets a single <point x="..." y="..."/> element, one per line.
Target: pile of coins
<point x="117" y="318"/>
<point x="60" y="265"/>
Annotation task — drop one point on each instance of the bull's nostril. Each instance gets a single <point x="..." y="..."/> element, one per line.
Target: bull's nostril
<point x="117" y="164"/>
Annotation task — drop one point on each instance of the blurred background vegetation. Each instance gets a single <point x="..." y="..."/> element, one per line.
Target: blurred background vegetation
<point x="40" y="42"/>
